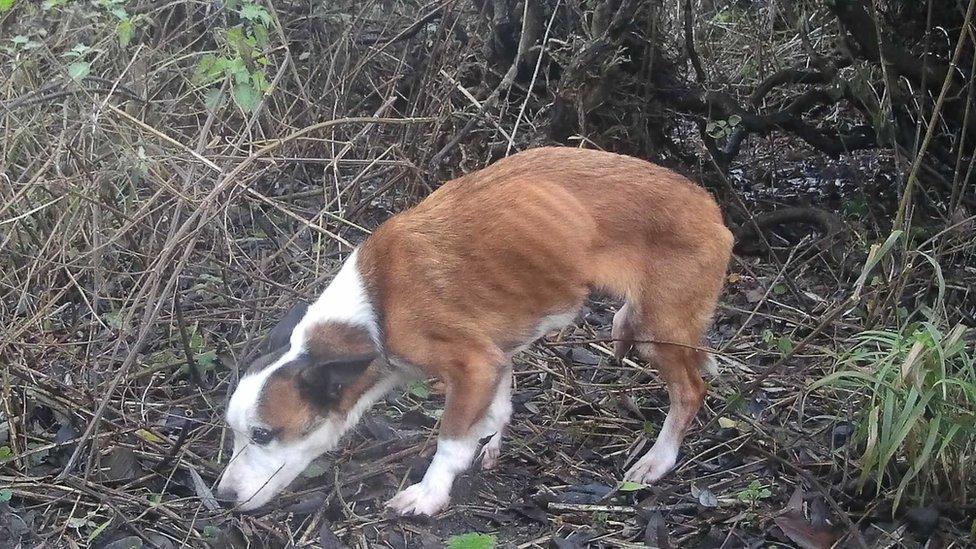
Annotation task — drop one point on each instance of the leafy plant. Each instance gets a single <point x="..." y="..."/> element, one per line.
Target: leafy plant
<point x="754" y="492"/>
<point x="918" y="386"/>
<point x="125" y="28"/>
<point x="718" y="129"/>
<point x="204" y="358"/>
<point x="241" y="59"/>
<point x="600" y="519"/>
<point x="80" y="67"/>
<point x="782" y="343"/>
<point x="471" y="540"/>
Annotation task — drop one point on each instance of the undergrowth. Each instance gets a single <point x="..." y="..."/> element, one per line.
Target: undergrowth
<point x="914" y="385"/>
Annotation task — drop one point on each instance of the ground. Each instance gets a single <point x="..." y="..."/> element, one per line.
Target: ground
<point x="766" y="465"/>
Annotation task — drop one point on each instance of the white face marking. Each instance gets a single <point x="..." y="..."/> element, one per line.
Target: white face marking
<point x="257" y="473"/>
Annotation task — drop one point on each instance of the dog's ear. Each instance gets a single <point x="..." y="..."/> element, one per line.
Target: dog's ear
<point x="322" y="382"/>
<point x="281" y="333"/>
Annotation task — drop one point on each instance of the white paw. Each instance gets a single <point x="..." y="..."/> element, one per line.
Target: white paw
<point x="490" y="453"/>
<point x="418" y="499"/>
<point x="650" y="468"/>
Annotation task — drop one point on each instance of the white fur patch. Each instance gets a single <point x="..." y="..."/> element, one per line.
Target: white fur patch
<point x="344" y="300"/>
<point x="661" y="457"/>
<point x="431" y="494"/>
<point x="256" y="473"/>
<point x="710" y="365"/>
<point x="554" y="322"/>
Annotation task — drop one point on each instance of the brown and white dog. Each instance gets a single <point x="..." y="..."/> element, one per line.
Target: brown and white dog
<point x="455" y="286"/>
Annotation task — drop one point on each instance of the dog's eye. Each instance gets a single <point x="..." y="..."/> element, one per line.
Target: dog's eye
<point x="261" y="436"/>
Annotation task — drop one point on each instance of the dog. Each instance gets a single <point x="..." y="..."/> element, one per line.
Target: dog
<point x="456" y="285"/>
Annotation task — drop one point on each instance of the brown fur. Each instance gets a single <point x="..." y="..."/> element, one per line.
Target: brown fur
<point x="468" y="274"/>
<point x="284" y="408"/>
<point x="332" y="339"/>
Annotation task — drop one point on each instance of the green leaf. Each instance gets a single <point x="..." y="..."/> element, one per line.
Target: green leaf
<point x="246" y="97"/>
<point x="6" y="494"/>
<point x="784" y="344"/>
<point x="207" y="361"/>
<point x="125" y="31"/>
<point x="471" y="540"/>
<point x="260" y="36"/>
<point x="734" y="120"/>
<point x="79" y="50"/>
<point x="260" y="81"/>
<point x="6" y="5"/>
<point x="79" y="70"/>
<point x="211" y="531"/>
<point x="875" y="255"/>
<point x="5" y="453"/>
<point x="148" y="436"/>
<point x="213" y="98"/>
<point x="113" y="319"/>
<point x="779" y="289"/>
<point x="254" y="12"/>
<point x="235" y="37"/>
<point x="419" y="389"/>
<point x="628" y="486"/>
<point x="196" y="339"/>
<point x="20" y="39"/>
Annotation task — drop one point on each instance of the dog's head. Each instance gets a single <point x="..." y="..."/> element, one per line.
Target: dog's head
<point x="295" y="402"/>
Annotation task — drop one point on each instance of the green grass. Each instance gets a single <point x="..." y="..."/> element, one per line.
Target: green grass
<point x="917" y="424"/>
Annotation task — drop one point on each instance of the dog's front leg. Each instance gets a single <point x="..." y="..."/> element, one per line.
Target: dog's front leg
<point x="471" y="388"/>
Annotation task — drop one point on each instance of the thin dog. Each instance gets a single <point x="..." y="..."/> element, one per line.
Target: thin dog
<point x="456" y="285"/>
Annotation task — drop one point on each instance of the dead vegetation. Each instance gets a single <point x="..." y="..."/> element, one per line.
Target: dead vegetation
<point x="173" y="175"/>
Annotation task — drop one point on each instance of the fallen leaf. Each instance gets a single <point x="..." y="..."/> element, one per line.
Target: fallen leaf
<point x="704" y="496"/>
<point x="628" y="486"/>
<point x="148" y="436"/>
<point x="128" y="542"/>
<point x="203" y="491"/>
<point x="754" y="295"/>
<point x="923" y="520"/>
<point x="804" y="534"/>
<point x="120" y="464"/>
<point x="563" y="543"/>
<point x="314" y="470"/>
<point x="727" y="423"/>
<point x="656" y="532"/>
<point x="327" y="539"/>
